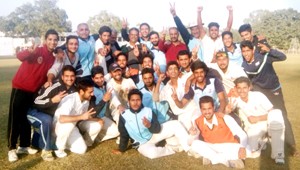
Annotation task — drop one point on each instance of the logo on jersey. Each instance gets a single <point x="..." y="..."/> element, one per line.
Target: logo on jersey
<point x="40" y="59"/>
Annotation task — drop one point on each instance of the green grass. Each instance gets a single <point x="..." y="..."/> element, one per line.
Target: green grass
<point x="100" y="156"/>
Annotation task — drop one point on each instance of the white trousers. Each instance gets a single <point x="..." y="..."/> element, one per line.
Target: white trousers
<point x="275" y="128"/>
<point x="168" y="130"/>
<point x="68" y="135"/>
<point x="217" y="153"/>
<point x="108" y="131"/>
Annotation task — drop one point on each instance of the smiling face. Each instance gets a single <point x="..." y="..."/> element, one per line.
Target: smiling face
<point x="207" y="110"/>
<point x="117" y="75"/>
<point x="214" y="32"/>
<point x="83" y="31"/>
<point x="222" y="62"/>
<point x="154" y="39"/>
<point x="105" y="37"/>
<point x="87" y="94"/>
<point x="246" y="35"/>
<point x="122" y="61"/>
<point x="199" y="75"/>
<point x="51" y="42"/>
<point x="184" y="61"/>
<point x="243" y="90"/>
<point x="173" y="71"/>
<point x="98" y="79"/>
<point x="248" y="54"/>
<point x="147" y="63"/>
<point x="133" y="36"/>
<point x="173" y="34"/>
<point x="144" y="29"/>
<point x="72" y="45"/>
<point x="227" y="40"/>
<point x="195" y="32"/>
<point x="68" y="77"/>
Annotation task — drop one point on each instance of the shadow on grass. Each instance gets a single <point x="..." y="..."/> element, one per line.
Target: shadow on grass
<point x="29" y="162"/>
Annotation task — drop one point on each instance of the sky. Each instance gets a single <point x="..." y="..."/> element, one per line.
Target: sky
<point x="157" y="12"/>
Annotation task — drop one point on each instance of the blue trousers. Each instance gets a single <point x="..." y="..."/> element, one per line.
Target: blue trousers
<point x="42" y="123"/>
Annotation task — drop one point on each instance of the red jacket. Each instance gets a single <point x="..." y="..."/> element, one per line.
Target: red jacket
<point x="171" y="50"/>
<point x="32" y="73"/>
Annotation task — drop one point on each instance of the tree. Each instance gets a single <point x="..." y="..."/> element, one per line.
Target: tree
<point x="104" y="18"/>
<point x="35" y="19"/>
<point x="280" y="26"/>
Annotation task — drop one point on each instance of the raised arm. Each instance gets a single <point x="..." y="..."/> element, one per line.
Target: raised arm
<point x="199" y="22"/>
<point x="124" y="33"/>
<point x="181" y="28"/>
<point x="230" y="18"/>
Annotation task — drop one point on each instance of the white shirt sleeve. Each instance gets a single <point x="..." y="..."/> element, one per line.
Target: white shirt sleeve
<point x="56" y="67"/>
<point x="236" y="130"/>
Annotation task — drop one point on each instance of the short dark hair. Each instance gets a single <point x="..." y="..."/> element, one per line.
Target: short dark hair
<point x="199" y="65"/>
<point x="183" y="52"/>
<point x="206" y="99"/>
<point x="51" y="31"/>
<point x="84" y="84"/>
<point x="147" y="55"/>
<point x="104" y="29"/>
<point x="152" y="33"/>
<point x="213" y="24"/>
<point x="71" y="37"/>
<point x="245" y="27"/>
<point x="148" y="70"/>
<point x="133" y="28"/>
<point x="97" y="70"/>
<point x="227" y="33"/>
<point x="124" y="54"/>
<point x="221" y="54"/>
<point x="134" y="91"/>
<point x="68" y="68"/>
<point x="172" y="63"/>
<point x="144" y="23"/>
<point x="247" y="43"/>
<point x="242" y="80"/>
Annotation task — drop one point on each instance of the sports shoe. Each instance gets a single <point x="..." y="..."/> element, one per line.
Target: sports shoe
<point x="205" y="161"/>
<point x="60" y="153"/>
<point x="118" y="140"/>
<point x="175" y="148"/>
<point x="26" y="150"/>
<point x="47" y="155"/>
<point x="238" y="164"/>
<point x="12" y="155"/>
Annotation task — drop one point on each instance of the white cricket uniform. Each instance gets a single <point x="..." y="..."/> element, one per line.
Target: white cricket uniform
<point x="210" y="47"/>
<point x="119" y="95"/>
<point x="68" y="135"/>
<point x="221" y="152"/>
<point x="257" y="105"/>
<point x="185" y="114"/>
<point x="233" y="72"/>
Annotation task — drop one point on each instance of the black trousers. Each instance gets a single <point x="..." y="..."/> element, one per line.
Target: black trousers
<point x="276" y="98"/>
<point x="18" y="125"/>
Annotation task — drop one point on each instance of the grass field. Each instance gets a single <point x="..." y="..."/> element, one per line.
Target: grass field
<point x="100" y="156"/>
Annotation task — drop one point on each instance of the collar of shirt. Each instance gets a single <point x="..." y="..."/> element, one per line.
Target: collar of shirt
<point x="234" y="47"/>
<point x="127" y="44"/>
<point x="207" y="83"/>
<point x="214" y="122"/>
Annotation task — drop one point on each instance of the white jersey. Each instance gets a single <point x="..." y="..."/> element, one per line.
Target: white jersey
<point x="210" y="47"/>
<point x="233" y="72"/>
<point x="70" y="105"/>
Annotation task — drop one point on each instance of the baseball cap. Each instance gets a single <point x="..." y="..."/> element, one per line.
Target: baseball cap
<point x="114" y="67"/>
<point x="133" y="64"/>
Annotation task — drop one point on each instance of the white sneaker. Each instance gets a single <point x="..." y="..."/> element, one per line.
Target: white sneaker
<point x="175" y="148"/>
<point x="60" y="153"/>
<point x="12" y="155"/>
<point x="26" y="150"/>
<point x="205" y="161"/>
